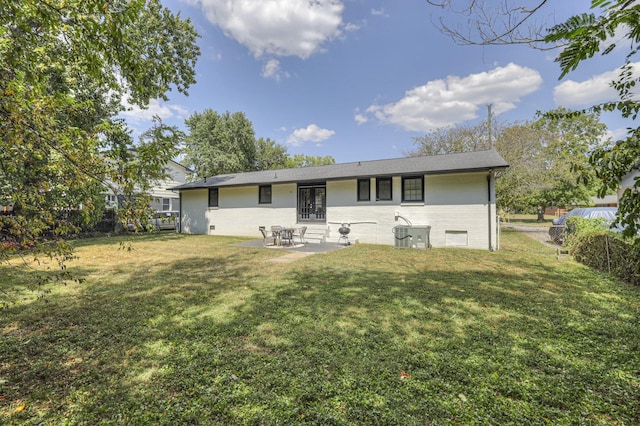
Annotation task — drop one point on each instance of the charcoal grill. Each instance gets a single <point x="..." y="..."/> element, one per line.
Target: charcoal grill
<point x="344" y="231"/>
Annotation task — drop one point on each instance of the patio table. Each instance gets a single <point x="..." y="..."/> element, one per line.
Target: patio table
<point x="286" y="236"/>
<point x="283" y="235"/>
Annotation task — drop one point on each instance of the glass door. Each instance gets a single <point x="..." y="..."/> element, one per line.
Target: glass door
<point x="312" y="203"/>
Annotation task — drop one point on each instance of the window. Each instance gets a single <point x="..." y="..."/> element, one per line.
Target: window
<point x="265" y="194"/>
<point x="364" y="189"/>
<point x="383" y="189"/>
<point x="412" y="188"/>
<point x="166" y="204"/>
<point x="213" y="197"/>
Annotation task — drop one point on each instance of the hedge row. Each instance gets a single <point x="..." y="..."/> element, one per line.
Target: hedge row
<point x="593" y="245"/>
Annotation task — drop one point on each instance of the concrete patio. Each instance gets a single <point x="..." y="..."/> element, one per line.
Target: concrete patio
<point x="306" y="248"/>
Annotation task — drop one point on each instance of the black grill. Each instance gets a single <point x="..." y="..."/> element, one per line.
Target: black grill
<point x="344" y="231"/>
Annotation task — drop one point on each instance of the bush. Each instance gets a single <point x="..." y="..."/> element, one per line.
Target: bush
<point x="592" y="244"/>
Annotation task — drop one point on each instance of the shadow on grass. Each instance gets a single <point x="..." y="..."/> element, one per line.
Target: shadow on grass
<point x="128" y="237"/>
<point x="497" y="339"/>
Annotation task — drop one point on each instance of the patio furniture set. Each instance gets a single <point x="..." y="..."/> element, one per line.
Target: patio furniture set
<point x="282" y="236"/>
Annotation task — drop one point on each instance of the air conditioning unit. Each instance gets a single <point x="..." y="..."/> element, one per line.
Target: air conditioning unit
<point x="407" y="236"/>
<point x="403" y="236"/>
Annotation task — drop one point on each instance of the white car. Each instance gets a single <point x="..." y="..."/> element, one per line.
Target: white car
<point x="557" y="230"/>
<point x="608" y="213"/>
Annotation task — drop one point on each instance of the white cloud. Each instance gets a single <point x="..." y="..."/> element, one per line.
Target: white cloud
<point x="595" y="90"/>
<point x="361" y="118"/>
<point x="445" y="102"/>
<point x="277" y="27"/>
<point x="616" y="134"/>
<point x="271" y="69"/>
<point x="379" y="12"/>
<point x="311" y="133"/>
<point x="156" y="108"/>
<point x="350" y="26"/>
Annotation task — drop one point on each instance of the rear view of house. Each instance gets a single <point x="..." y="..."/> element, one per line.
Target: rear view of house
<point x="453" y="194"/>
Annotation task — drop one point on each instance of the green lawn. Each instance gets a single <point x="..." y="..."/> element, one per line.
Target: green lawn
<point x="191" y="329"/>
<point x="527" y="219"/>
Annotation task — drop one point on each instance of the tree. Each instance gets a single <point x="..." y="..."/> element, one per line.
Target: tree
<point x="565" y="142"/>
<point x="454" y="139"/>
<point x="584" y="36"/>
<point x="301" y="160"/>
<point x="542" y="156"/>
<point x="520" y="144"/>
<point x="220" y="143"/>
<point x="226" y="143"/>
<point x="138" y="168"/>
<point x="64" y="68"/>
<point x="581" y="37"/>
<point x="270" y="155"/>
<point x="498" y="23"/>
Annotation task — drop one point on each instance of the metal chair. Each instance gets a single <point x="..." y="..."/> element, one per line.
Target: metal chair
<point x="266" y="237"/>
<point x="276" y="232"/>
<point x="299" y="233"/>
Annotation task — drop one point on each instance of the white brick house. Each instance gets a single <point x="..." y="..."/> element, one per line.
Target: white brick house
<point x="454" y="194"/>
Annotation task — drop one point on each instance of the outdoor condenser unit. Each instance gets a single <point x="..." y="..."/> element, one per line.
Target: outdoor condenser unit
<point x="411" y="236"/>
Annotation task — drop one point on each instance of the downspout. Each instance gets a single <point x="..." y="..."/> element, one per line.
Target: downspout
<point x="489" y="208"/>
<point x="180" y="214"/>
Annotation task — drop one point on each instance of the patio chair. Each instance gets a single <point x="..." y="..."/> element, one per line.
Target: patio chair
<point x="299" y="233"/>
<point x="276" y="232"/>
<point x="266" y="237"/>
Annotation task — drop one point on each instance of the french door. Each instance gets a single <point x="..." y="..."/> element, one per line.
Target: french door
<point x="312" y="203"/>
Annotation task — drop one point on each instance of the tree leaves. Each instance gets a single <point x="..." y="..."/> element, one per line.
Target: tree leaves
<point x="585" y="37"/>
<point x="64" y="66"/>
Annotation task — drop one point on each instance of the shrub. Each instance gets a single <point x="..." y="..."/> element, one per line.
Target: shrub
<point x="577" y="227"/>
<point x="592" y="244"/>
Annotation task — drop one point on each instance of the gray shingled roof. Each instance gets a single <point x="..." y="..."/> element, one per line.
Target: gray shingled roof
<point x="438" y="164"/>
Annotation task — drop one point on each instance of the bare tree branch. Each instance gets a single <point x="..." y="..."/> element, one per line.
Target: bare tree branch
<point x="491" y="24"/>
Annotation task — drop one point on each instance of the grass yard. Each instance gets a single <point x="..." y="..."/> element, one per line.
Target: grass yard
<point x="527" y="219"/>
<point x="194" y="330"/>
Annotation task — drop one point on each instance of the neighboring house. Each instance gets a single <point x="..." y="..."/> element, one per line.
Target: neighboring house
<point x="163" y="199"/>
<point x="629" y="180"/>
<point x="454" y="194"/>
<point x="606" y="201"/>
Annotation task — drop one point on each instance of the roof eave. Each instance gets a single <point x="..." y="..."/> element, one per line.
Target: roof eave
<point x="205" y="185"/>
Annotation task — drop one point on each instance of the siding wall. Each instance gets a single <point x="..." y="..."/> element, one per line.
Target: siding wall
<point x="177" y="176"/>
<point x="455" y="206"/>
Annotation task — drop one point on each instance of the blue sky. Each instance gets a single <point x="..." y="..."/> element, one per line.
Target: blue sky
<point x="358" y="79"/>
